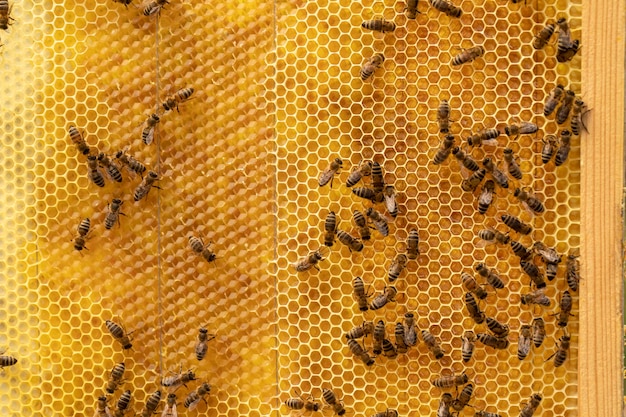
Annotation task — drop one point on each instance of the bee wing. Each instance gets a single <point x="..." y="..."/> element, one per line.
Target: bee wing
<point x="390" y="203"/>
<point x="325" y="177"/>
<point x="170" y="411"/>
<point x="148" y="135"/>
<point x="490" y="142"/>
<point x="194" y="404"/>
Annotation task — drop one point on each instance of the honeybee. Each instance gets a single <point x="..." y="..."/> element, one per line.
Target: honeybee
<point x="194" y="397"/>
<point x="77" y="139"/>
<point x="364" y="169"/>
<point x="388" y="295"/>
<point x="566" y="47"/>
<point x="114" y="212"/>
<point x="147" y="134"/>
<point x="102" y="408"/>
<point x="565" y="305"/>
<point x="521" y="128"/>
<point x="462" y="400"/>
<point x="396" y="268"/>
<point x="578" y="112"/>
<point x="553" y="99"/>
<point x="95" y="175"/>
<point x="444" y="151"/>
<point x="130" y="163"/>
<point x="572" y="267"/>
<point x="523" y="342"/>
<point x="367" y="193"/>
<point x="450" y="381"/>
<point x="547" y="254"/>
<point x="179" y="97"/>
<point x="564" y="147"/>
<point x="372" y="65"/>
<point x="569" y="53"/>
<point x="536" y="297"/>
<point x="498" y="176"/>
<point x="443" y="117"/>
<point x="444" y="405"/>
<point x="552" y="269"/>
<point x="380" y="222"/>
<point x="539" y="331"/>
<point x="472" y="308"/>
<point x="391" y="204"/>
<point x="122" y="404"/>
<point x="361" y="331"/>
<point x="389" y="350"/>
<point x="115" y="378"/>
<point x="543" y="37"/>
<point x="492" y="278"/>
<point x="471" y="285"/>
<point x="444" y="6"/>
<point x="482" y="413"/>
<point x="492" y="235"/>
<point x="202" y="344"/>
<point x="331" y="399"/>
<point x="146" y="185"/>
<point x="361" y="223"/>
<point x="529" y="200"/>
<point x="401" y="346"/>
<point x="468" y="55"/>
<point x="329" y="173"/>
<point x="330" y="227"/>
<point x="561" y="354"/>
<point x="350" y="241"/>
<point x="151" y="404"/>
<point x="467" y="348"/>
<point x="176" y="381"/>
<point x="154" y="7"/>
<point x="531" y="406"/>
<point x="360" y="294"/>
<point x="379" y="336"/>
<point x="512" y="165"/>
<point x="378" y="181"/>
<point x="411" y="9"/>
<point x="486" y="196"/>
<point x="562" y="113"/>
<point x="472" y="182"/>
<point x="84" y="227"/>
<point x="111" y="167"/>
<point x="484" y="137"/>
<point x="465" y="159"/>
<point x="516" y="224"/>
<point x="432" y="344"/>
<point x="379" y="25"/>
<point x="412" y="244"/>
<point x="387" y="413"/>
<point x="492" y="341"/>
<point x="198" y="246"/>
<point x="5" y="14"/>
<point x="549" y="146"/>
<point x="6" y="360"/>
<point x="170" y="406"/>
<point x="533" y="272"/>
<point x="119" y="334"/>
<point x="498" y="329"/>
<point x="300" y="403"/>
<point x="410" y="331"/>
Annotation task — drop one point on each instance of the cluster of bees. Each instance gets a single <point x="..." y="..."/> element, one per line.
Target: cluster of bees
<point x="330" y="400"/>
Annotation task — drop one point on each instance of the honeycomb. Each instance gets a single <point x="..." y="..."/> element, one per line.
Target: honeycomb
<point x="277" y="96"/>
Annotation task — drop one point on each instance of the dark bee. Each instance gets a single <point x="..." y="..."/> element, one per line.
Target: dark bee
<point x="412" y="245"/>
<point x="5" y="14"/>
<point x="521" y="128"/>
<point x="364" y="169"/>
<point x="102" y="408"/>
<point x="115" y="377"/>
<point x="562" y="113"/>
<point x="379" y="25"/>
<point x="194" y="397"/>
<point x="387" y="413"/>
<point x="401" y="345"/>
<point x="154" y="7"/>
<point x="177" y="98"/>
<point x="367" y="194"/>
<point x="486" y="196"/>
<point x="380" y="222"/>
<point x="484" y="137"/>
<point x="329" y="173"/>
<point x="566" y="47"/>
<point x="432" y="344"/>
<point x="361" y="223"/>
<point x="570" y="52"/>
<point x="450" y="381"/>
<point x="360" y="294"/>
<point x="465" y="159"/>
<point x="358" y="351"/>
<point x="467" y="348"/>
<point x="443" y="117"/>
<point x="572" y="268"/>
<point x="546" y="253"/>
<point x="561" y="354"/>
<point x="543" y="37"/>
<point x="498" y="176"/>
<point x="492" y="235"/>
<point x="549" y="146"/>
<point x="396" y="268"/>
<point x="147" y="134"/>
<point x="77" y="139"/>
<point x="119" y="334"/>
<point x="330" y="228"/>
<point x="151" y="404"/>
<point x="95" y="175"/>
<point x="113" y="216"/>
<point x="472" y="308"/>
<point x="130" y="163"/>
<point x="389" y="350"/>
<point x="388" y="295"/>
<point x="565" y="305"/>
<point x="361" y="331"/>
<point x="472" y="182"/>
<point x="533" y="272"/>
<point x="537" y="297"/>
<point x="146" y="185"/>
<point x="578" y="111"/>
<point x="372" y="65"/>
<point x="520" y="250"/>
<point x="202" y="346"/>
<point x="539" y="331"/>
<point x="122" y="404"/>
<point x="512" y="165"/>
<point x="444" y="150"/>
<point x="378" y="337"/>
<point x="309" y="261"/>
<point x="492" y="278"/>
<point x="483" y="413"/>
<point x="492" y="341"/>
<point x="198" y="246"/>
<point x="300" y="403"/>
<point x="378" y="181"/>
<point x="529" y="200"/>
<point x="331" y="399"/>
<point x="176" y="381"/>
<point x="410" y="331"/>
<point x="389" y="193"/>
<point x="552" y="269"/>
<point x="498" y="329"/>
<point x="84" y="228"/>
<point x="350" y="241"/>
<point x="464" y="397"/>
<point x="111" y="167"/>
<point x="6" y="360"/>
<point x="411" y="9"/>
<point x="444" y="406"/>
<point x="516" y="224"/>
<point x="564" y="147"/>
<point x="531" y="406"/>
<point x="553" y="100"/>
<point x="523" y="342"/>
<point x="444" y="6"/>
<point x="468" y="55"/>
